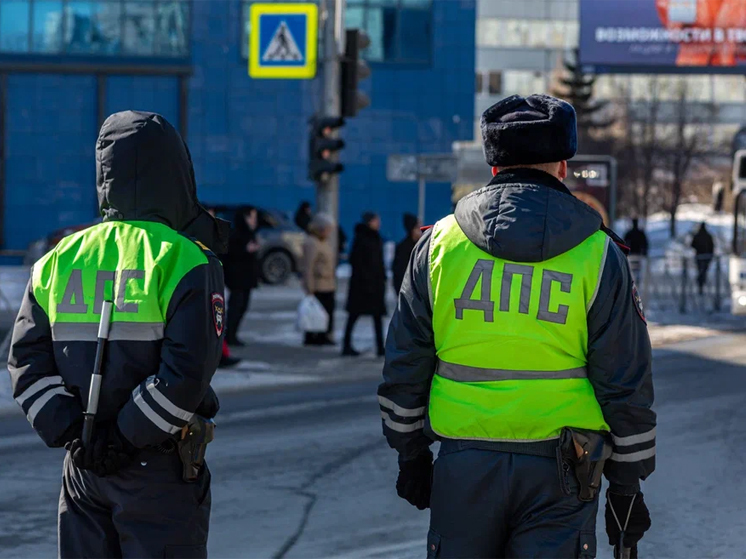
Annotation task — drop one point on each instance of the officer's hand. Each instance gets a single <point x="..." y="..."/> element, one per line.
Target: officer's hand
<point x="82" y="458"/>
<point x="108" y="452"/>
<point x="639" y="519"/>
<point x="415" y="480"/>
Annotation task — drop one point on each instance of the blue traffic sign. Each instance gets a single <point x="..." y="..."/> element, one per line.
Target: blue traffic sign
<point x="283" y="41"/>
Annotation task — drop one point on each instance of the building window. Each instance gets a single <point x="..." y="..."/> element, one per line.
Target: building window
<point x="400" y="30"/>
<point x="527" y="33"/>
<point x="522" y="82"/>
<point x="479" y="83"/>
<point x="139" y="28"/>
<point x="496" y="83"/>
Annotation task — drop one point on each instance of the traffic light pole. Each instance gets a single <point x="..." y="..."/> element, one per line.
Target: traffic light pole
<point x="332" y="14"/>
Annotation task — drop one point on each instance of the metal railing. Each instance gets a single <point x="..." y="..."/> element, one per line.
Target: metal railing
<point x="683" y="283"/>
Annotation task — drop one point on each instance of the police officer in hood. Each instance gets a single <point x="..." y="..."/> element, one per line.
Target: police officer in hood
<point x="131" y="492"/>
<point x="520" y="343"/>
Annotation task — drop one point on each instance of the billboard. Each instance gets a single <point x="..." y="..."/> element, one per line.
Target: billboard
<point x="698" y="36"/>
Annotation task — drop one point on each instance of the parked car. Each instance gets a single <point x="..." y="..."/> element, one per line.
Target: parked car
<point x="280" y="243"/>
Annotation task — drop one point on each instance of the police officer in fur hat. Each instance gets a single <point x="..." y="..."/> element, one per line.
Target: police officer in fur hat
<point x="519" y="342"/>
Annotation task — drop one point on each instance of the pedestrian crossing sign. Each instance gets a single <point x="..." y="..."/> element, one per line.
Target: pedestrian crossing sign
<point x="283" y="41"/>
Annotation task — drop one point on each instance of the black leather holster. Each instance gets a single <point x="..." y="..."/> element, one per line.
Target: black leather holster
<point x="192" y="446"/>
<point x="587" y="452"/>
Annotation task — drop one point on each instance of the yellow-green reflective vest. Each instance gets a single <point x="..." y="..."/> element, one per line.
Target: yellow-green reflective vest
<point x="135" y="264"/>
<point x="511" y="340"/>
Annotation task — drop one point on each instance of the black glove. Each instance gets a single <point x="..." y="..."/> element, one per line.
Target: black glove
<point x="108" y="452"/>
<point x="415" y="480"/>
<point x="636" y="526"/>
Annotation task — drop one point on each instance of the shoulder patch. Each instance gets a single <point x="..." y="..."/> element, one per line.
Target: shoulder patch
<point x="638" y="302"/>
<point x="203" y="247"/>
<point x="218" y="312"/>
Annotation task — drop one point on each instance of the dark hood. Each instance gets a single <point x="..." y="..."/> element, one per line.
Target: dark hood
<point x="144" y="173"/>
<point x="526" y="215"/>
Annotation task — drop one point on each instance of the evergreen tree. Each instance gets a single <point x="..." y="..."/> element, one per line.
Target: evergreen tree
<point x="576" y="87"/>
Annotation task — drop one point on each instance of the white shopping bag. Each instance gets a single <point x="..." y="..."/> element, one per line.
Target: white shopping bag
<point x="312" y="317"/>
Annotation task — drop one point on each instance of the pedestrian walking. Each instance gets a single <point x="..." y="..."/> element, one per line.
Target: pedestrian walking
<point x="139" y="489"/>
<point x="637" y="242"/>
<point x="303" y="216"/>
<point x="241" y="270"/>
<point x="404" y="250"/>
<point x="704" y="248"/>
<point x="367" y="291"/>
<point x="636" y="239"/>
<point x="520" y="343"/>
<point x="319" y="278"/>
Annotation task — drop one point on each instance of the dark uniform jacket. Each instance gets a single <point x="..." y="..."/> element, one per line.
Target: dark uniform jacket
<point x="401" y="261"/>
<point x="529" y="216"/>
<point x="150" y="387"/>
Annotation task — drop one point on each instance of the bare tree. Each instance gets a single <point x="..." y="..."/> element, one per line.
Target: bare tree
<point x="685" y="145"/>
<point x="638" y="145"/>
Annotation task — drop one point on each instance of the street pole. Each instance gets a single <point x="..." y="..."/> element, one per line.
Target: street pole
<point x="421" y="202"/>
<point x="332" y="21"/>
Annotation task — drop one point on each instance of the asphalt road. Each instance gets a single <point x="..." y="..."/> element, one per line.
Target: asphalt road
<point x="305" y="473"/>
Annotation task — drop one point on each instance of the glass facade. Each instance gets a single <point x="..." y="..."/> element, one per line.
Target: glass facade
<point x="699" y="88"/>
<point x="155" y="28"/>
<point x="527" y="33"/>
<point x="247" y="137"/>
<point x="400" y="31"/>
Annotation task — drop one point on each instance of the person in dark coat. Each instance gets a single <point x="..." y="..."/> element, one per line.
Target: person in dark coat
<point x="404" y="250"/>
<point x="367" y="292"/>
<point x="241" y="270"/>
<point x="636" y="239"/>
<point x="704" y="247"/>
<point x="303" y="216"/>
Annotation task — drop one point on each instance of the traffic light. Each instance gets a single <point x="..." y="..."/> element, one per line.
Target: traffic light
<point x="322" y="147"/>
<point x="354" y="69"/>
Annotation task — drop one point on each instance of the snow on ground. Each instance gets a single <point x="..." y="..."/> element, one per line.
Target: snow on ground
<point x="688" y="219"/>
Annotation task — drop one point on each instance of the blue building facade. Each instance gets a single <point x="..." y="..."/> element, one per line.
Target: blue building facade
<point x="65" y="65"/>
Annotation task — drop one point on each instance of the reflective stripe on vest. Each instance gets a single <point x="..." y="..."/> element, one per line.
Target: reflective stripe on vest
<point x="511" y="340"/>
